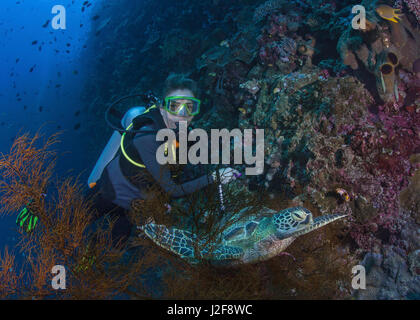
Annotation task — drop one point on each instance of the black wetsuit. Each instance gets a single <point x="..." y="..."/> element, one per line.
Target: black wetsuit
<point x="118" y="186"/>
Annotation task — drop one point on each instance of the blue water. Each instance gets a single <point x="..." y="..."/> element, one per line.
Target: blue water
<point x="52" y="91"/>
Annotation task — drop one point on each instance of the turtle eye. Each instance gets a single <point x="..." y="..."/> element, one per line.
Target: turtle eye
<point x="299" y="215"/>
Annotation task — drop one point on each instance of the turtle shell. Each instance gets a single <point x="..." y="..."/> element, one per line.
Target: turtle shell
<point x="246" y="229"/>
<point x="240" y="232"/>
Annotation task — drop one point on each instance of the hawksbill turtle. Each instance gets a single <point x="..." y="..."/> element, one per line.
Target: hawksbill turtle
<point x="257" y="237"/>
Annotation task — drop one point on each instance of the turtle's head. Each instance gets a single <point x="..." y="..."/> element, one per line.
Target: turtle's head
<point x="296" y="221"/>
<point x="292" y="220"/>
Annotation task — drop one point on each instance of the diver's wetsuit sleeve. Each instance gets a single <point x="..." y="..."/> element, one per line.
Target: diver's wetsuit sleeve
<point x="147" y="146"/>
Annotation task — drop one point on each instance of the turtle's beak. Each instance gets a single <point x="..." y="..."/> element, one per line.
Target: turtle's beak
<point x="319" y="222"/>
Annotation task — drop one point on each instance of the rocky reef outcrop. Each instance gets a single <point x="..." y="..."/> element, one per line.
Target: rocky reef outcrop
<point x="383" y="48"/>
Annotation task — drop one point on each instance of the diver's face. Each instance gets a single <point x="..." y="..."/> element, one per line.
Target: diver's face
<point x="171" y="120"/>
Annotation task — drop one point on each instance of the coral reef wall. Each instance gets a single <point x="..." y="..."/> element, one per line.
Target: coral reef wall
<point x="340" y="107"/>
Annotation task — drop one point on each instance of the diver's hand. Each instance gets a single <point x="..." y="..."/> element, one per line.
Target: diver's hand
<point x="226" y="175"/>
<point x="27" y="219"/>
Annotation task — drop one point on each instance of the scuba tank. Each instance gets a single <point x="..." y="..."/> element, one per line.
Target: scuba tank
<point x="114" y="142"/>
<point x="112" y="146"/>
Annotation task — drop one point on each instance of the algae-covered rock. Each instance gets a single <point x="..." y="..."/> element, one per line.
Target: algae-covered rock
<point x="414" y="262"/>
<point x="410" y="197"/>
<point x="363" y="210"/>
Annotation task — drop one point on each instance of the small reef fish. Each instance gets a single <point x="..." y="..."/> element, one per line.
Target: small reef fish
<point x="388" y="13"/>
<point x="343" y="194"/>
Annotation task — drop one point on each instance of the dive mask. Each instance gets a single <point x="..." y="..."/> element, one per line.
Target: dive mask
<point x="182" y="106"/>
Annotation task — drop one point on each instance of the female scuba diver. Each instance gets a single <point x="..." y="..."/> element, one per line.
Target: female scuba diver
<point x="121" y="180"/>
<point x="116" y="179"/>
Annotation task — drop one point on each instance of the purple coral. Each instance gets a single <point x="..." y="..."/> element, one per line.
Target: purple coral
<point x="275" y="51"/>
<point x="275" y="31"/>
<point x="413" y="5"/>
<point x="278" y="26"/>
<point x="388" y="150"/>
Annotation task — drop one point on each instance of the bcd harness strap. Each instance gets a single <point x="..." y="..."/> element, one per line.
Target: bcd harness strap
<point x="138" y="122"/>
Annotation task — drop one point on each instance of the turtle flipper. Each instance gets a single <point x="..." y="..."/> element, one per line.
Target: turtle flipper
<point x="183" y="243"/>
<point x="178" y="241"/>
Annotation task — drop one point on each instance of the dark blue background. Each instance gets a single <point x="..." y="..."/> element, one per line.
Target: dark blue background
<point x="21" y="23"/>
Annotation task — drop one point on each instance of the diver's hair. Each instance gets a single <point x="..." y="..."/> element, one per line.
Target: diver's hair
<point x="179" y="81"/>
